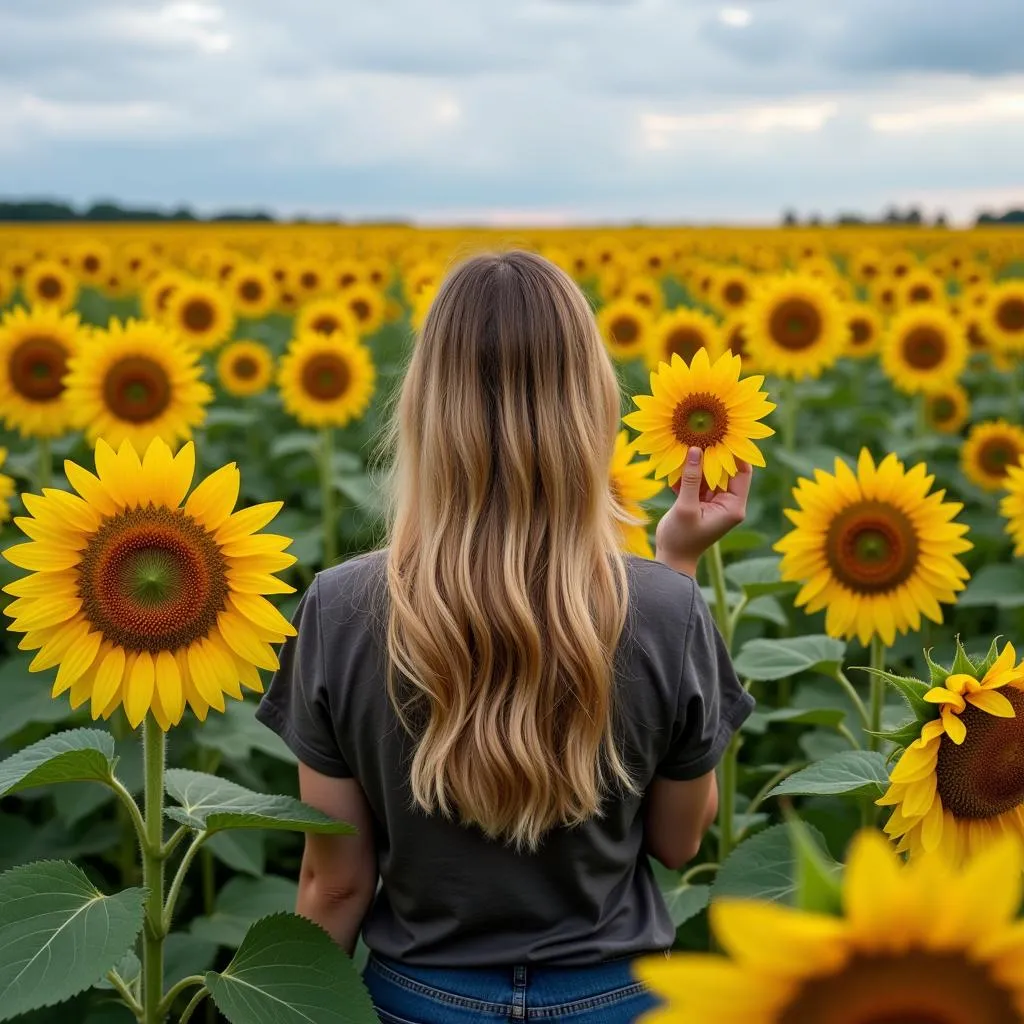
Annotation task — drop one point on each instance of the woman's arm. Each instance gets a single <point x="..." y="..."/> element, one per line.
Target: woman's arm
<point x="678" y="816"/>
<point x="338" y="878"/>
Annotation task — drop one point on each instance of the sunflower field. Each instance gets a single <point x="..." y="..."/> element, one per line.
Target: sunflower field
<point x="193" y="420"/>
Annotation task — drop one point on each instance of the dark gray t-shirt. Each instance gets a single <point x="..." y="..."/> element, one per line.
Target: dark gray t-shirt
<point x="450" y="897"/>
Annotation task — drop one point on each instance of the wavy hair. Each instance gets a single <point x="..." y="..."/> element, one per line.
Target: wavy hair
<point x="507" y="589"/>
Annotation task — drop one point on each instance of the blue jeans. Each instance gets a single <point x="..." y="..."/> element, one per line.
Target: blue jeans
<point x="603" y="994"/>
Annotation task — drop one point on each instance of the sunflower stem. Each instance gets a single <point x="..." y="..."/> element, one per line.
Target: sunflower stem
<point x="790" y="413"/>
<point x="716" y="573"/>
<point x="878" y="653"/>
<point x="190" y="1009"/>
<point x="154" y="745"/>
<point x="179" y="878"/>
<point x="44" y="465"/>
<point x="921" y="409"/>
<point x="330" y="527"/>
<point x="727" y="799"/>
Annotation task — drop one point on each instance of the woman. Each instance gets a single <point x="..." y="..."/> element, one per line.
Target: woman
<point x="512" y="713"/>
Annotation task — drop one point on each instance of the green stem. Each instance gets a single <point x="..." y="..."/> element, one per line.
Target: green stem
<point x="790" y="414"/>
<point x="206" y="868"/>
<point x="848" y="736"/>
<point x="176" y="990"/>
<point x="727" y="799"/>
<point x="716" y="572"/>
<point x="921" y="409"/>
<point x="330" y="526"/>
<point x="851" y="692"/>
<point x="190" y="1009"/>
<point x="124" y="992"/>
<point x="44" y="470"/>
<point x="700" y="869"/>
<point x="154" y="744"/>
<point x="877" y="691"/>
<point x="763" y="792"/>
<point x="179" y="878"/>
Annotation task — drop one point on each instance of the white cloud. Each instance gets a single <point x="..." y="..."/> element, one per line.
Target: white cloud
<point x="31" y="114"/>
<point x="989" y="108"/>
<point x="735" y="17"/>
<point x="195" y="25"/>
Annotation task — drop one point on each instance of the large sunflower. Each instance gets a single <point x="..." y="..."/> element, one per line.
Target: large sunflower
<point x="989" y="452"/>
<point x="1003" y="317"/>
<point x="253" y="290"/>
<point x="200" y="313"/>
<point x="630" y="485"/>
<point x="923" y="943"/>
<point x="137" y="381"/>
<point x="865" y="330"/>
<point x="626" y="328"/>
<point x="1012" y="508"/>
<point x="6" y="490"/>
<point x="35" y="347"/>
<point x="49" y="283"/>
<point x="795" y="326"/>
<point x="947" y="409"/>
<point x="326" y="381"/>
<point x="924" y="349"/>
<point x="142" y="601"/>
<point x="874" y="549"/>
<point x="245" y="368"/>
<point x="326" y="316"/>
<point x="704" y="405"/>
<point x="960" y="782"/>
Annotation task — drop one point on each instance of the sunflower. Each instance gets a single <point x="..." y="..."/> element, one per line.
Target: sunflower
<point x="733" y="288"/>
<point x="734" y="338"/>
<point x="245" y="368"/>
<point x="425" y="274"/>
<point x="326" y="381"/>
<point x="990" y="450"/>
<point x="117" y="285"/>
<point x="682" y="332"/>
<point x="1012" y="508"/>
<point x="947" y="409"/>
<point x="308" y="278"/>
<point x="17" y="261"/>
<point x="703" y="405"/>
<point x="1003" y="317"/>
<point x="645" y="292"/>
<point x="142" y="601"/>
<point x="200" y="313"/>
<point x="35" y="347"/>
<point x="874" y="548"/>
<point x="156" y="296"/>
<point x="326" y="316"/>
<point x="899" y="264"/>
<point x="630" y="485"/>
<point x="366" y="306"/>
<point x="795" y="326"/>
<point x="48" y="283"/>
<point x="884" y="293"/>
<point x="346" y="273"/>
<point x="253" y="290"/>
<point x="378" y="271"/>
<point x="928" y="942"/>
<point x="6" y="490"/>
<point x="626" y="328"/>
<point x="421" y="307"/>
<point x="7" y="286"/>
<point x="958" y="785"/>
<point x="920" y="287"/>
<point x="864" y="330"/>
<point x="92" y="262"/>
<point x="924" y="349"/>
<point x="137" y="381"/>
<point x="866" y="265"/>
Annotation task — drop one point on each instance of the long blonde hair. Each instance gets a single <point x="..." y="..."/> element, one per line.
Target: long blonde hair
<point x="507" y="590"/>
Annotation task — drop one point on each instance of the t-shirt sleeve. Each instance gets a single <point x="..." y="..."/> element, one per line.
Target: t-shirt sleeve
<point x="296" y="705"/>
<point x="712" y="703"/>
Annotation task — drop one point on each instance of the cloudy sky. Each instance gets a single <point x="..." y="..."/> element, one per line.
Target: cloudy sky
<point x="541" y="111"/>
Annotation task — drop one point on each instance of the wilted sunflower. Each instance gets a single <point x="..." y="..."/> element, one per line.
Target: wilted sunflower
<point x="1003" y="316"/>
<point x="990" y="450"/>
<point x="325" y="316"/>
<point x="947" y="409"/>
<point x="326" y="380"/>
<point x="137" y="381"/>
<point x="923" y="943"/>
<point x="683" y="332"/>
<point x="156" y="296"/>
<point x="865" y="330"/>
<point x="630" y="485"/>
<point x="245" y="368"/>
<point x="253" y="290"/>
<point x="367" y="306"/>
<point x="200" y="313"/>
<point x="875" y="549"/>
<point x="704" y="406"/>
<point x="6" y="490"/>
<point x="1012" y="508"/>
<point x="925" y="348"/>
<point x="960" y="782"/>
<point x="142" y="601"/>
<point x="49" y="283"/>
<point x="795" y="326"/>
<point x="35" y="347"/>
<point x="626" y="328"/>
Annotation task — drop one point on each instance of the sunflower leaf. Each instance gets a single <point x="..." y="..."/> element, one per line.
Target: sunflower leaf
<point x="758" y="576"/>
<point x="851" y="772"/>
<point x="962" y="663"/>
<point x="939" y="674"/>
<point x="818" y="876"/>
<point x="990" y="659"/>
<point x="904" y="735"/>
<point x="911" y="689"/>
<point x="763" y="659"/>
<point x="77" y="755"/>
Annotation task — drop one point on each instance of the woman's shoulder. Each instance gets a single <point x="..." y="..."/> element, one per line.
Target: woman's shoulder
<point x="654" y="585"/>
<point x="352" y="586"/>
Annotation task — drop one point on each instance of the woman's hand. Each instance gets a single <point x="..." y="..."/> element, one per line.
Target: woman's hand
<point x="700" y="516"/>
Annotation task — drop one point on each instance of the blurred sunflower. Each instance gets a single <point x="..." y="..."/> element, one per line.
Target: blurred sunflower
<point x="378" y="271"/>
<point x="366" y="306"/>
<point x="920" y="287"/>
<point x="874" y="549"/>
<point x="947" y="409"/>
<point x="795" y="326"/>
<point x="683" y="332"/>
<point x="884" y="294"/>
<point x="865" y="330"/>
<point x="347" y="272"/>
<point x="7" y="286"/>
<point x="137" y="381"/>
<point x="117" y="284"/>
<point x="925" y="348"/>
<point x="308" y="277"/>
<point x="866" y="265"/>
<point x="6" y="490"/>
<point x="326" y="316"/>
<point x="91" y="262"/>
<point x="157" y="294"/>
<point x="924" y="943"/>
<point x="733" y="288"/>
<point x="17" y="261"/>
<point x="253" y="290"/>
<point x="35" y="347"/>
<point x="899" y="264"/>
<point x="421" y="306"/>
<point x="644" y="292"/>
<point x="139" y="261"/>
<point x="988" y="453"/>
<point x="704" y="405"/>
<point x="48" y="283"/>
<point x="425" y="274"/>
<point x="245" y="368"/>
<point x="1012" y="508"/>
<point x="200" y="313"/>
<point x="142" y="601"/>
<point x="654" y="258"/>
<point x="734" y="338"/>
<point x="326" y="380"/>
<point x="1003" y="317"/>
<point x="631" y="485"/>
<point x="626" y="328"/>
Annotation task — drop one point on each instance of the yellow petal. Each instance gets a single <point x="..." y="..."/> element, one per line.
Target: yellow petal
<point x="992" y="702"/>
<point x="77" y="661"/>
<point x="41" y="557"/>
<point x="139" y="692"/>
<point x="211" y="502"/>
<point x="168" y="684"/>
<point x="955" y="729"/>
<point x="248" y="521"/>
<point x="244" y="641"/>
<point x="260" y="611"/>
<point x="204" y="675"/>
<point x="108" y="679"/>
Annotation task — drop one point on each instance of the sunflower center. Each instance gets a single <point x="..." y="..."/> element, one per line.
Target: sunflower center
<point x="974" y="337"/>
<point x="918" y="987"/>
<point x="163" y="295"/>
<point x="734" y="293"/>
<point x="326" y="376"/>
<point x="625" y="330"/>
<point x="361" y="310"/>
<point x="700" y="420"/>
<point x="871" y="547"/>
<point x="37" y="367"/>
<point x="924" y="348"/>
<point x="197" y="315"/>
<point x="325" y="324"/>
<point x="920" y="293"/>
<point x="245" y="367"/>
<point x="308" y="279"/>
<point x="137" y="389"/>
<point x="738" y="341"/>
<point x="152" y="579"/>
<point x="943" y="409"/>
<point x="684" y="342"/>
<point x="346" y="279"/>
<point x="90" y="264"/>
<point x="996" y="456"/>
<point x="1010" y="314"/>
<point x="860" y="330"/>
<point x="984" y="776"/>
<point x="251" y="291"/>
<point x="49" y="287"/>
<point x="795" y="324"/>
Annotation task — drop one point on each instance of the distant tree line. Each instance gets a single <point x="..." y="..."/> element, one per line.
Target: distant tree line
<point x="49" y="210"/>
<point x="894" y="216"/>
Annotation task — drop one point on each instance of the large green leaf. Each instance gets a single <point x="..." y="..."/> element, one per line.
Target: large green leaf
<point x="239" y="904"/>
<point x="762" y="867"/>
<point x="241" y="849"/>
<point x="289" y="971"/>
<point x="998" y="585"/>
<point x="59" y="934"/>
<point x="759" y="721"/>
<point x="852" y="771"/>
<point x="758" y="576"/>
<point x="26" y="697"/>
<point x="236" y="733"/>
<point x="211" y="803"/>
<point x="79" y="755"/>
<point x="763" y="659"/>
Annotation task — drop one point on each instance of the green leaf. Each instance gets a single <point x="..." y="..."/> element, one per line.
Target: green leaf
<point x="759" y="721"/>
<point x="240" y="903"/>
<point x="59" y="934"/>
<point x="129" y="967"/>
<point x="26" y="698"/>
<point x="762" y="867"/>
<point x="758" y="576"/>
<point x="739" y="540"/>
<point x="289" y="971"/>
<point x="242" y="849"/>
<point x="78" y="755"/>
<point x="912" y="690"/>
<point x="999" y="585"/>
<point x="990" y="659"/>
<point x="904" y="735"/>
<point x="818" y="877"/>
<point x="962" y="663"/>
<point x="185" y="955"/>
<point x="939" y="674"/>
<point x="295" y="442"/>
<point x="236" y="733"/>
<point x="682" y="899"/>
<point x="211" y="803"/>
<point x="763" y="659"/>
<point x="852" y="771"/>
